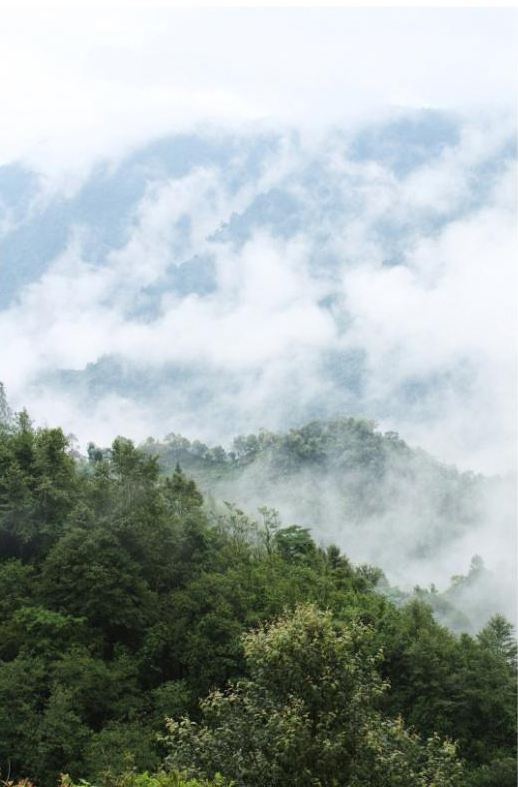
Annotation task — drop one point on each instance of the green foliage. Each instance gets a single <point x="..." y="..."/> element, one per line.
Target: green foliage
<point x="498" y="637"/>
<point x="501" y="772"/>
<point x="37" y="489"/>
<point x="130" y="778"/>
<point x="117" y="744"/>
<point x="61" y="736"/>
<point x="307" y="716"/>
<point x="124" y="599"/>
<point x="92" y="576"/>
<point x="343" y="470"/>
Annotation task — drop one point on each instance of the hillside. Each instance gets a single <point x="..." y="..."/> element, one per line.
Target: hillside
<point x="128" y="598"/>
<point x="378" y="499"/>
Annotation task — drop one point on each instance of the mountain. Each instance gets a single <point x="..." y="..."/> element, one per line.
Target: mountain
<point x="378" y="499"/>
<point x="213" y="282"/>
<point x="127" y="597"/>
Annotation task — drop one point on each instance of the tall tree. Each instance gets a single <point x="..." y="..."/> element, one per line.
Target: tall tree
<point x="307" y="716"/>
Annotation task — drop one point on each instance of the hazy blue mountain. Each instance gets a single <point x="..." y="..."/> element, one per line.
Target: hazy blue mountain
<point x="356" y="199"/>
<point x="38" y="228"/>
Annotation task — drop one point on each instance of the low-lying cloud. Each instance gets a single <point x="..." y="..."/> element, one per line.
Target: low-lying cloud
<point x="317" y="283"/>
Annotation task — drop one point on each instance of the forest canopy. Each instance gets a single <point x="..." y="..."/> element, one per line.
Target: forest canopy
<point x="128" y="598"/>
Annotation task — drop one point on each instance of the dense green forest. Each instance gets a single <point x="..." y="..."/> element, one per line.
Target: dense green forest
<point x="128" y="598"/>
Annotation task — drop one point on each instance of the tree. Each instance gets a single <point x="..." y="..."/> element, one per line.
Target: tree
<point x="498" y="636"/>
<point x="130" y="778"/>
<point x="307" y="716"/>
<point x="61" y="738"/>
<point x="294" y="543"/>
<point x="6" y="414"/>
<point x="38" y="488"/>
<point x="89" y="575"/>
<point x="181" y="493"/>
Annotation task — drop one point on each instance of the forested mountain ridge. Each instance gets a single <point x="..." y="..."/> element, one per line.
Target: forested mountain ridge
<point x="363" y="463"/>
<point x="370" y="470"/>
<point x="378" y="499"/>
<point x="125" y="599"/>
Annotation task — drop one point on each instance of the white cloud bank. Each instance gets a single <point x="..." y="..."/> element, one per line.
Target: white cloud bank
<point x="441" y="321"/>
<point x="86" y="85"/>
<point x="388" y="291"/>
<point x="83" y="83"/>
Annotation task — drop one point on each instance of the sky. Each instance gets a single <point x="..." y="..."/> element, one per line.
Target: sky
<point x="84" y="82"/>
<point x="216" y="220"/>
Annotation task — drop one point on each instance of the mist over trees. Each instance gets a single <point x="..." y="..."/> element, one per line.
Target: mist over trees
<point x="128" y="597"/>
<point x="258" y="453"/>
<point x="381" y="501"/>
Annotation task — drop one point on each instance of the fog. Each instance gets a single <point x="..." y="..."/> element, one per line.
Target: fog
<point x="382" y="503"/>
<point x="326" y="232"/>
<point x="277" y="281"/>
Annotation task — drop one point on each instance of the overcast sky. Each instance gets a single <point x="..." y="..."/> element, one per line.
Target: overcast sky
<point x="77" y="83"/>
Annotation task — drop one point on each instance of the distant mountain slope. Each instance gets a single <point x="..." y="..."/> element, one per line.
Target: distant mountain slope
<point x="369" y="492"/>
<point x="379" y="500"/>
<point x="213" y="282"/>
